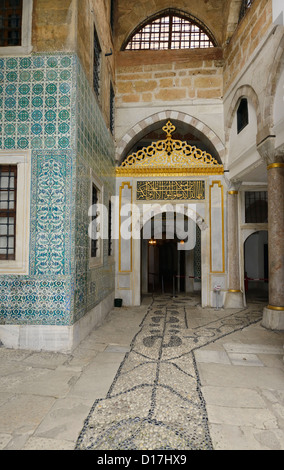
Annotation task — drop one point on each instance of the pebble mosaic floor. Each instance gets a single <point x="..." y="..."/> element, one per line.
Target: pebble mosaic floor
<point x="155" y="401"/>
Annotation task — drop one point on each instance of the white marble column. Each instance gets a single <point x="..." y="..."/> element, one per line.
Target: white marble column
<point x="273" y="315"/>
<point x="234" y="296"/>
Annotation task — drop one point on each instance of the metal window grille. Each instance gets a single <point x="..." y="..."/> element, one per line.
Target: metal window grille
<point x="94" y="241"/>
<point x="246" y="4"/>
<point x="97" y="63"/>
<point x="11" y="22"/>
<point x="112" y="108"/>
<point x="8" y="193"/>
<point x="242" y="115"/>
<point x="109" y="228"/>
<point x="256" y="207"/>
<point x="170" y="31"/>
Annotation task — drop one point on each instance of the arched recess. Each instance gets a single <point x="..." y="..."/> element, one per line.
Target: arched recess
<point x="245" y="91"/>
<point x="165" y="38"/>
<point x="242" y="155"/>
<point x="139" y="130"/>
<point x="131" y="16"/>
<point x="168" y="231"/>
<point x="276" y="71"/>
<point x="256" y="265"/>
<point x="140" y="221"/>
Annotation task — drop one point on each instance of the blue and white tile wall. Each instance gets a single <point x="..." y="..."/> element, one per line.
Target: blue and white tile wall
<point x="36" y="102"/>
<point x="47" y="105"/>
<point x="95" y="151"/>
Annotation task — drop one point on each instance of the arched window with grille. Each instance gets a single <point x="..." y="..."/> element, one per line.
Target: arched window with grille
<point x="170" y="29"/>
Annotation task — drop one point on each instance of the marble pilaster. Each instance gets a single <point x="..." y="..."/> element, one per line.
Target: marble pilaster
<point x="273" y="316"/>
<point x="234" y="296"/>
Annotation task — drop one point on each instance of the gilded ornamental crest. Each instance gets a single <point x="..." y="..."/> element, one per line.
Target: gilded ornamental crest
<point x="169" y="157"/>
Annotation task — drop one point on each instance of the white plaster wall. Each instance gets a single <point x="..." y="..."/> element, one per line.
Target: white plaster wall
<point x="278" y="112"/>
<point x="242" y="152"/>
<point x="254" y="258"/>
<point x="278" y="12"/>
<point x="245" y="140"/>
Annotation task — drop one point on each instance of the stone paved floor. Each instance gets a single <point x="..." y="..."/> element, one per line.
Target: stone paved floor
<point x="166" y="375"/>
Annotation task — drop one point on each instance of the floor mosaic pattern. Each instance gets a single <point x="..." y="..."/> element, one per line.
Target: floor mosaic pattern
<point x="155" y="401"/>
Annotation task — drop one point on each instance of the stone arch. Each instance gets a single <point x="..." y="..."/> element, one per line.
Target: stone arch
<point x="133" y="16"/>
<point x="138" y="131"/>
<point x="168" y="12"/>
<point x="195" y="236"/>
<point x="245" y="91"/>
<point x="273" y="77"/>
<point x="168" y="207"/>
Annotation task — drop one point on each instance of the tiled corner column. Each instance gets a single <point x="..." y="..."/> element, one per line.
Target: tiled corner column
<point x="234" y="296"/>
<point x="273" y="316"/>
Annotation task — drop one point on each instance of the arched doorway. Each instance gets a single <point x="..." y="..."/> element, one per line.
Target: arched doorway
<point x="170" y="255"/>
<point x="256" y="266"/>
<point x="170" y="175"/>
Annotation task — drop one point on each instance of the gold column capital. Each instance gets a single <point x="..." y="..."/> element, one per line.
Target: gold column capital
<point x="275" y="165"/>
<point x="233" y="192"/>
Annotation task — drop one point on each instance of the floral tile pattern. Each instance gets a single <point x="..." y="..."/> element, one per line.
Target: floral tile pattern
<point x="30" y="300"/>
<point x="51" y="216"/>
<point x="47" y="106"/>
<point x="36" y="102"/>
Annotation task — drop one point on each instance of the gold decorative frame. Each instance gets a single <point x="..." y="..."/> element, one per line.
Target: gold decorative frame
<point x="219" y="184"/>
<point x="158" y="190"/>
<point x="121" y="271"/>
<point x="169" y="157"/>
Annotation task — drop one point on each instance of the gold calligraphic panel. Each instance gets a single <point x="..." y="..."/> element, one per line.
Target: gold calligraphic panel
<point x="170" y="190"/>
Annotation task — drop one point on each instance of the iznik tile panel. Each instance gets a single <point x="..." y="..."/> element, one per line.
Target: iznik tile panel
<point x="48" y="106"/>
<point x="95" y="151"/>
<point x="51" y="216"/>
<point x="36" y="102"/>
<point x="32" y="300"/>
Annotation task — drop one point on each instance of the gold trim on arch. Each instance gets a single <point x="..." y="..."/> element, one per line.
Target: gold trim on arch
<point x="125" y="183"/>
<point x="164" y="172"/>
<point x="223" y="234"/>
<point x="169" y="157"/>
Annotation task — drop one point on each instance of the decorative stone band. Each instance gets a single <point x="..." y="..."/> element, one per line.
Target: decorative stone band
<point x="165" y="172"/>
<point x="233" y="192"/>
<point x="275" y="165"/>
<point x="271" y="307"/>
